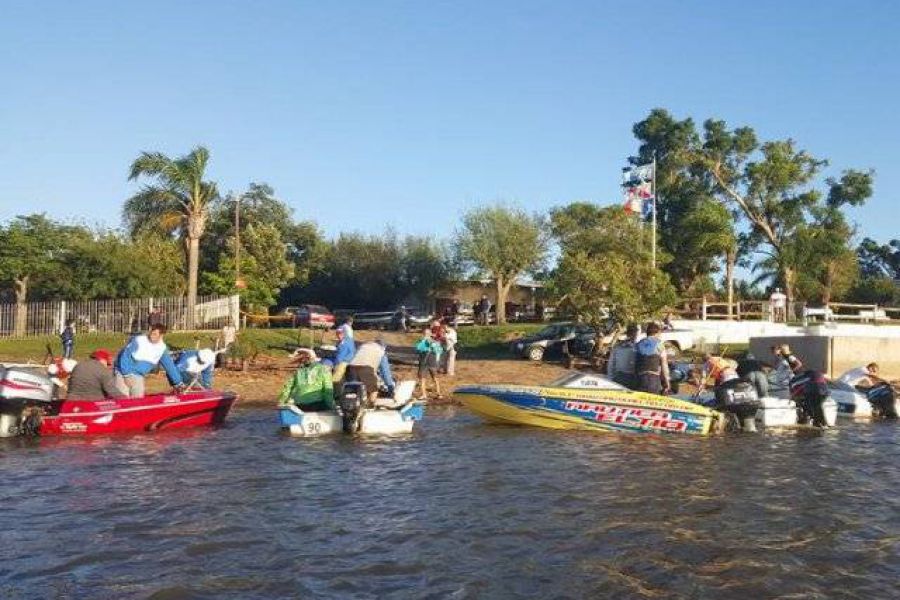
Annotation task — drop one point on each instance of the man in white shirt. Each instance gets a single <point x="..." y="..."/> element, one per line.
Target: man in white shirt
<point x="862" y="377"/>
<point x="778" y="302"/>
<point x="449" y="357"/>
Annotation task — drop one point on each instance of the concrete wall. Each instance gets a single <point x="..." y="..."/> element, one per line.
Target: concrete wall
<point x="814" y="351"/>
<point x="716" y="333"/>
<point x="835" y="355"/>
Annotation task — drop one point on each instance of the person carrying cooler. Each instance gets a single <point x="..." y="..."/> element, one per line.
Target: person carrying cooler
<point x="139" y="357"/>
<point x="310" y="387"/>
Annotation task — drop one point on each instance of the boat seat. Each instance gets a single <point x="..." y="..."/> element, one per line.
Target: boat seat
<point x="403" y="392"/>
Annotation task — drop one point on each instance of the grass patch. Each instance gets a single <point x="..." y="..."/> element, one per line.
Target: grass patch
<point x="492" y="341"/>
<point x="34" y="349"/>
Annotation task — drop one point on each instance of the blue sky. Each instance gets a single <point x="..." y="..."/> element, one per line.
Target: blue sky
<point x="368" y="114"/>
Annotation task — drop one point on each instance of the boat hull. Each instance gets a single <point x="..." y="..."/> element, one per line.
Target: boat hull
<point x="378" y="421"/>
<point x="128" y="415"/>
<point x="593" y="409"/>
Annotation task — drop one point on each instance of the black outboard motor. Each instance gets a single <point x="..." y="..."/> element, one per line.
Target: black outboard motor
<point x="808" y="391"/>
<point x="352" y="401"/>
<point x="881" y="397"/>
<point x="738" y="397"/>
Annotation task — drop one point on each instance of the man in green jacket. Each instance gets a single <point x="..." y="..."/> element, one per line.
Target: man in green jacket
<point x="310" y="388"/>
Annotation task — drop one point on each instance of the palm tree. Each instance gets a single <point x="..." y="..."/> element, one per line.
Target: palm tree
<point x="177" y="202"/>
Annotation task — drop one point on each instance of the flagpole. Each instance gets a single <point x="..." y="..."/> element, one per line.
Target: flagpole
<point x="653" y="240"/>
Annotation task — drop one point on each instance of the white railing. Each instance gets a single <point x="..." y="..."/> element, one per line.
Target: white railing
<point x="116" y="316"/>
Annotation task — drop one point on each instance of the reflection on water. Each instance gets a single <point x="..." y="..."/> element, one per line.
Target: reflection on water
<point x="458" y="509"/>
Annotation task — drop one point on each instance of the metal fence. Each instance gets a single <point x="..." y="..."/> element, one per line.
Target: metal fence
<point x="116" y="316"/>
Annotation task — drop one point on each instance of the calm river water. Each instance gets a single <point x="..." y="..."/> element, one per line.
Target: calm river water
<point x="457" y="510"/>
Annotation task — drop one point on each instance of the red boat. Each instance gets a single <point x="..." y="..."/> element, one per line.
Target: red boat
<point x="26" y="408"/>
<point x="150" y="413"/>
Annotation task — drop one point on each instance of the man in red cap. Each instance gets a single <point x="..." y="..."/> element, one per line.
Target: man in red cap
<point x="92" y="379"/>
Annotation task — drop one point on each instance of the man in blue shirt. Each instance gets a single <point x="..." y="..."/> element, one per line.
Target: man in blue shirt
<point x="139" y="357"/>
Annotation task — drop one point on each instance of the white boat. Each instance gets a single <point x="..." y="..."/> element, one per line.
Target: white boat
<point x="774" y="411"/>
<point x="853" y="403"/>
<point x="389" y="416"/>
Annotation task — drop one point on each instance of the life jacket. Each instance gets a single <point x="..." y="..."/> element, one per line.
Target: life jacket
<point x="721" y="370"/>
<point x="648" y="356"/>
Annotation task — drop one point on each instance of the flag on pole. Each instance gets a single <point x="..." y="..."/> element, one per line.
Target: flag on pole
<point x="637" y="182"/>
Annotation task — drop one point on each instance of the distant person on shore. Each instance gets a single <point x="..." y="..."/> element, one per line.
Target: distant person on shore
<point x="620" y="367"/>
<point x="138" y="358"/>
<point x="92" y="379"/>
<point x="310" y="387"/>
<point x="347" y="326"/>
<point x="403" y="319"/>
<point x="429" y="352"/>
<point x="484" y="309"/>
<point x="778" y="302"/>
<point x="346" y="349"/>
<point x="667" y="322"/>
<point x="369" y="363"/>
<point x="448" y="361"/>
<point x="67" y="337"/>
<point x="652" y="363"/>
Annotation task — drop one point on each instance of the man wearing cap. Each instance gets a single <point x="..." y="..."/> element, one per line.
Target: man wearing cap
<point x="310" y="387"/>
<point x="346" y="348"/>
<point x="92" y="379"/>
<point x="193" y="364"/>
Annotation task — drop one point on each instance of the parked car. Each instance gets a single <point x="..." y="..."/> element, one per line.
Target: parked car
<point x="550" y="342"/>
<point x="390" y="319"/>
<point x="310" y="315"/>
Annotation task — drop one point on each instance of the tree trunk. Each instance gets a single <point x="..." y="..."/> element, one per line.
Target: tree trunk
<point x="193" y="267"/>
<point x="501" y="300"/>
<point x="21" y="285"/>
<point x="789" y="284"/>
<point x="730" y="259"/>
<point x="828" y="284"/>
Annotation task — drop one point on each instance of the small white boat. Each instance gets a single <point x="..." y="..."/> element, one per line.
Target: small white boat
<point x="853" y="403"/>
<point x="389" y="416"/>
<point x="774" y="411"/>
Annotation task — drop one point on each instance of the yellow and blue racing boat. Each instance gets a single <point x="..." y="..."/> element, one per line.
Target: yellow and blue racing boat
<point x="582" y="401"/>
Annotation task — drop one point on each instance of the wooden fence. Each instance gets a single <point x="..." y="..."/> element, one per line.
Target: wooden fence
<point x="116" y="316"/>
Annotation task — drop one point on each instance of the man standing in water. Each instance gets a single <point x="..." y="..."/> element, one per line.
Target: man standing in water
<point x="652" y="363"/>
<point x="620" y="367"/>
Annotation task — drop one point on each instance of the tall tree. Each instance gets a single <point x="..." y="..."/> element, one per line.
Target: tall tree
<point x="691" y="225"/>
<point x="502" y="242"/>
<point x="879" y="260"/>
<point x="265" y="268"/>
<point x="176" y="202"/>
<point x="32" y="249"/>
<point x="773" y="186"/>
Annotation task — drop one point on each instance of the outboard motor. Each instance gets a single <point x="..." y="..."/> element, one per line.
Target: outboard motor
<point x="808" y="391"/>
<point x="739" y="398"/>
<point x="352" y="401"/>
<point x="23" y="395"/>
<point x="881" y="397"/>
